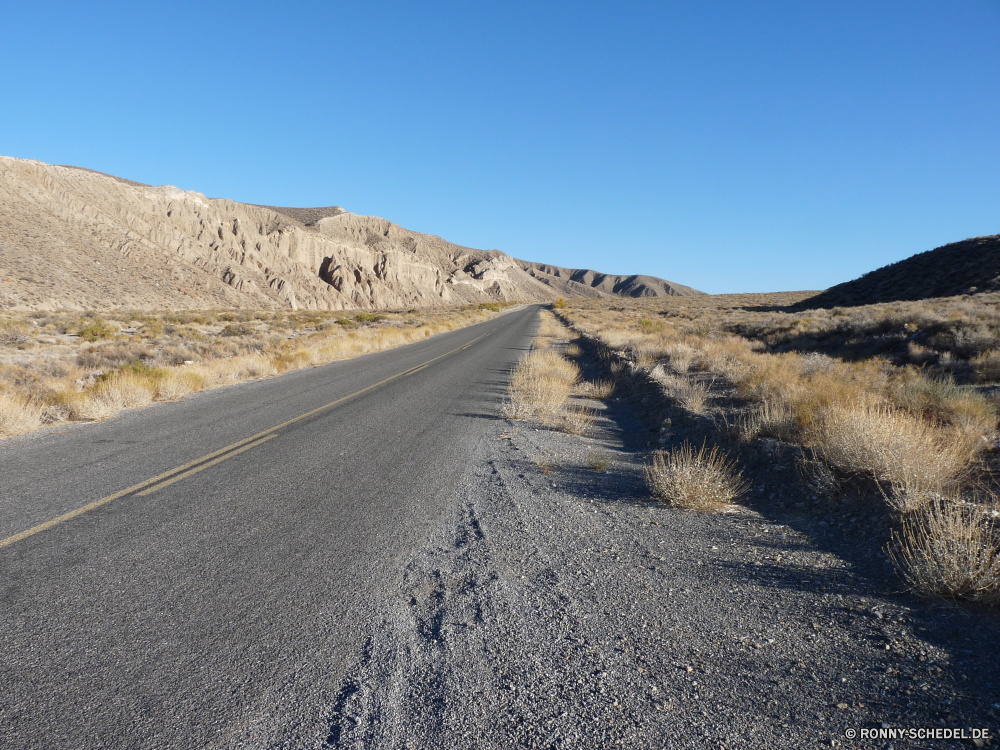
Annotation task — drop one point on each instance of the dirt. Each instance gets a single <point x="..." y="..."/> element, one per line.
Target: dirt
<point x="559" y="606"/>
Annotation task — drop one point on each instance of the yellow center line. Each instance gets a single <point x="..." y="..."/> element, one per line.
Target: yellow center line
<point x="237" y="447"/>
<point x="195" y="470"/>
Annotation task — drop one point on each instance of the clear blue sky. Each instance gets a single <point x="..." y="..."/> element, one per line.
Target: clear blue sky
<point x="731" y="146"/>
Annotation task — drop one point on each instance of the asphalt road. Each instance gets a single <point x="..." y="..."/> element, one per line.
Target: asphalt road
<point x="220" y="605"/>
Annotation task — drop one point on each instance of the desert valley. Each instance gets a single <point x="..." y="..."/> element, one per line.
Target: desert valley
<point x="660" y="499"/>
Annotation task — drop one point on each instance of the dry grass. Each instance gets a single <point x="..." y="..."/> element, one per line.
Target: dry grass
<point x="541" y="386"/>
<point x="892" y="447"/>
<point x="18" y="415"/>
<point x="769" y="419"/>
<point x="576" y="420"/>
<point x="544" y="380"/>
<point x="885" y="393"/>
<point x="700" y="480"/>
<point x="596" y="389"/>
<point x="64" y="366"/>
<point x="950" y="549"/>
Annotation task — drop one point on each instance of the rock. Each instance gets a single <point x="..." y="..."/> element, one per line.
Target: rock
<point x="110" y="243"/>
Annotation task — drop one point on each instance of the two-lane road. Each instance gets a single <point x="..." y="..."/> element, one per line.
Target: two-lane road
<point x="198" y="574"/>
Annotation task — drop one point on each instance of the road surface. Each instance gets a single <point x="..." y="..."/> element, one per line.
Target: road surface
<point x="199" y="574"/>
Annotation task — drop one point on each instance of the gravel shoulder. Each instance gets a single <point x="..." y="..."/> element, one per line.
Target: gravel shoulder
<point x="556" y="606"/>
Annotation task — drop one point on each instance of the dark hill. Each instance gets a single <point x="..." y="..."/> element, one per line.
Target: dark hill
<point x="965" y="267"/>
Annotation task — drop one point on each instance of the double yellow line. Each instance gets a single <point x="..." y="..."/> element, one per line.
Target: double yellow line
<point x="178" y="473"/>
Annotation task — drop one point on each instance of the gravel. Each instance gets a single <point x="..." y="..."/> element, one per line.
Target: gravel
<point x="557" y="606"/>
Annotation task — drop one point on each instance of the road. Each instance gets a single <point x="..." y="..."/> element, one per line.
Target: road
<point x="199" y="574"/>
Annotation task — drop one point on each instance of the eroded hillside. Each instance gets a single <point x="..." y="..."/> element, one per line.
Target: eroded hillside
<point x="71" y="238"/>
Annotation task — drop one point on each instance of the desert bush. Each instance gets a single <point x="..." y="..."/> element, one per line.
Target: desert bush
<point x="699" y="480"/>
<point x="576" y="420"/>
<point x="18" y="415"/>
<point x="770" y="419"/>
<point x="238" y="369"/>
<point x="111" y="356"/>
<point x="13" y="332"/>
<point x="818" y="475"/>
<point x="681" y="357"/>
<point x="693" y="395"/>
<point x="643" y="355"/>
<point x="540" y="386"/>
<point x="238" y="329"/>
<point x="597" y="389"/>
<point x="986" y="366"/>
<point x="178" y="384"/>
<point x="950" y="549"/>
<point x="125" y="390"/>
<point x="96" y="331"/>
<point x="908" y="453"/>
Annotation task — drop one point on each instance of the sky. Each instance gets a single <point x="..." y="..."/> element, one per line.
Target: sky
<point x="728" y="146"/>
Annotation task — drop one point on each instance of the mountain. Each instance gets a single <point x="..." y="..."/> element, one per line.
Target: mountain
<point x="581" y="282"/>
<point x="965" y="267"/>
<point x="78" y="239"/>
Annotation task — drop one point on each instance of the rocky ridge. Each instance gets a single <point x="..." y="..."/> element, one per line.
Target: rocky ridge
<point x="72" y="238"/>
<point x="582" y="282"/>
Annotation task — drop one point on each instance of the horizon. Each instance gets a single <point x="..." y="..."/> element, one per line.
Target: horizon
<point x="727" y="149"/>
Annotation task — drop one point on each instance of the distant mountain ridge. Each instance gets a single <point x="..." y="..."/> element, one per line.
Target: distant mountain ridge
<point x="967" y="267"/>
<point x="585" y="283"/>
<point x="73" y="238"/>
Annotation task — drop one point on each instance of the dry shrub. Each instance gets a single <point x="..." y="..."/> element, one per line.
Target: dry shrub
<point x="13" y="332"/>
<point x="950" y="549"/>
<point x="540" y="386"/>
<point x="770" y="419"/>
<point x="941" y="400"/>
<point x="573" y="350"/>
<point x="700" y="480"/>
<point x="123" y="390"/>
<point x="912" y="455"/>
<point x="987" y="366"/>
<point x="238" y="369"/>
<point x="644" y="356"/>
<point x="577" y="420"/>
<point x="681" y="357"/>
<point x="818" y="475"/>
<point x="549" y="330"/>
<point x="598" y="389"/>
<point x="18" y="415"/>
<point x="176" y="385"/>
<point x="693" y="395"/>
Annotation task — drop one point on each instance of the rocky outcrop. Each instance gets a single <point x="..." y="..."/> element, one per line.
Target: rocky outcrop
<point x="74" y="238"/>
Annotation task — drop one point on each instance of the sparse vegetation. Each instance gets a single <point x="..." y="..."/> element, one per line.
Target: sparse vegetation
<point x="65" y="366"/>
<point x="951" y="549"/>
<point x="544" y="380"/>
<point x="598" y="461"/>
<point x="885" y="399"/>
<point x="700" y="480"/>
<point x="540" y="386"/>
